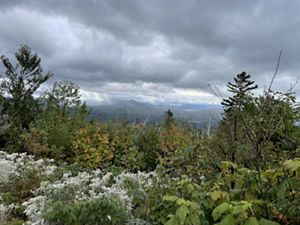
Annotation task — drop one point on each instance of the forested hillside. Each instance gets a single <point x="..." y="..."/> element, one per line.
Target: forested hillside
<point x="198" y="115"/>
<point x="58" y="168"/>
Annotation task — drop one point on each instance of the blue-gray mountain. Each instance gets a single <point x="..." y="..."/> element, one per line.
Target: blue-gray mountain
<point x="199" y="115"/>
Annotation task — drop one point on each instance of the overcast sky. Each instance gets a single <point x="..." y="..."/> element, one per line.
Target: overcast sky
<point x="156" y="50"/>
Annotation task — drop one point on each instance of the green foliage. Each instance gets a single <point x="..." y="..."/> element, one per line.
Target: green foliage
<point x="92" y="147"/>
<point x="270" y="194"/>
<point x="64" y="97"/>
<point x="235" y="212"/>
<point x="246" y="173"/>
<point x="135" y="147"/>
<point x="15" y="222"/>
<point x="169" y="120"/>
<point x="51" y="135"/>
<point x="177" y="202"/>
<point x="188" y="212"/>
<point x="175" y="140"/>
<point x="147" y="141"/>
<point x="121" y="136"/>
<point x="19" y="188"/>
<point x="241" y="89"/>
<point x="256" y="131"/>
<point x="54" y="130"/>
<point x="191" y="161"/>
<point x="100" y="211"/>
<point x="18" y="85"/>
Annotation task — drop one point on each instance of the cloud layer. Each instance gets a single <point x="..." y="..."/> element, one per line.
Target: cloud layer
<point x="159" y="50"/>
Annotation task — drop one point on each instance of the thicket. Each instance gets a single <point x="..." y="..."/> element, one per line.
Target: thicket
<point x="246" y="172"/>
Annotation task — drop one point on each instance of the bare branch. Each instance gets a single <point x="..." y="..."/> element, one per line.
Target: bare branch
<point x="276" y="70"/>
<point x="293" y="85"/>
<point x="216" y="92"/>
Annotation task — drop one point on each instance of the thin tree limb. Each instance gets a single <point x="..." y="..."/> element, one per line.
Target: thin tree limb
<point x="276" y="70"/>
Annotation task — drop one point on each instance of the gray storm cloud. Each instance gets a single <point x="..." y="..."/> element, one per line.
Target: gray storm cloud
<point x="160" y="50"/>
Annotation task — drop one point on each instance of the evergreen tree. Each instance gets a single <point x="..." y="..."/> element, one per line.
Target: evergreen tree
<point x="18" y="85"/>
<point x="236" y="108"/>
<point x="241" y="91"/>
<point x="168" y="119"/>
<point x="254" y="130"/>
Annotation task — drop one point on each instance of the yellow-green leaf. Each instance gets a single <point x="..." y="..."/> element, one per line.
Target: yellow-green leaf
<point x="172" y="221"/>
<point x="267" y="222"/>
<point x="228" y="164"/>
<point x="251" y="221"/>
<point x="181" y="213"/>
<point x="228" y="220"/>
<point x="292" y="165"/>
<point x="220" y="209"/>
<point x="180" y="201"/>
<point x="215" y="195"/>
<point x="170" y="198"/>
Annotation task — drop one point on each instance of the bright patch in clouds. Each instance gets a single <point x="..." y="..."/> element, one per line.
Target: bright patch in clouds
<point x="138" y="50"/>
<point x="154" y="93"/>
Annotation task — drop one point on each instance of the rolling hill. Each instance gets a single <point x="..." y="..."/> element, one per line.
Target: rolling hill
<point x="199" y="115"/>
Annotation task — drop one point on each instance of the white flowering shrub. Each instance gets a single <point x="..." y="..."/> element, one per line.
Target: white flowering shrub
<point x="4" y="212"/>
<point x="27" y="188"/>
<point x="85" y="190"/>
<point x="13" y="165"/>
<point x="20" y="174"/>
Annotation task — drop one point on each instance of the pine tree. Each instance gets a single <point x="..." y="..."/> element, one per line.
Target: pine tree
<point x="235" y="107"/>
<point x="168" y="119"/>
<point x="18" y="85"/>
<point x="241" y="91"/>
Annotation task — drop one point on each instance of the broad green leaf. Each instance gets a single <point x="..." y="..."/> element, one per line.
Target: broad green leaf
<point x="251" y="221"/>
<point x="190" y="188"/>
<point x="258" y="202"/>
<point x="272" y="174"/>
<point x="170" y="198"/>
<point x="269" y="173"/>
<point x="246" y="204"/>
<point x="180" y="201"/>
<point x="228" y="164"/>
<point x="181" y="213"/>
<point x="220" y="209"/>
<point x="215" y="195"/>
<point x="228" y="220"/>
<point x="267" y="222"/>
<point x="173" y="221"/>
<point x="194" y="206"/>
<point x="187" y="203"/>
<point x="238" y="209"/>
<point x="193" y="219"/>
<point x="292" y="165"/>
<point x="242" y="207"/>
<point x="282" y="190"/>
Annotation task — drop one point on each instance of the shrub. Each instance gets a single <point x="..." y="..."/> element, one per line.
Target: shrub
<point x="93" y="190"/>
<point x="147" y="141"/>
<point x="92" y="147"/>
<point x="50" y="136"/>
<point x="21" y="175"/>
<point x="93" y="212"/>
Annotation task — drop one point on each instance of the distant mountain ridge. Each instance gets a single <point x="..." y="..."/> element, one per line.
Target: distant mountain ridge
<point x="199" y="115"/>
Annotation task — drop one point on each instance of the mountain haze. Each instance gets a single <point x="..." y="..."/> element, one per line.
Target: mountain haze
<point x="198" y="115"/>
